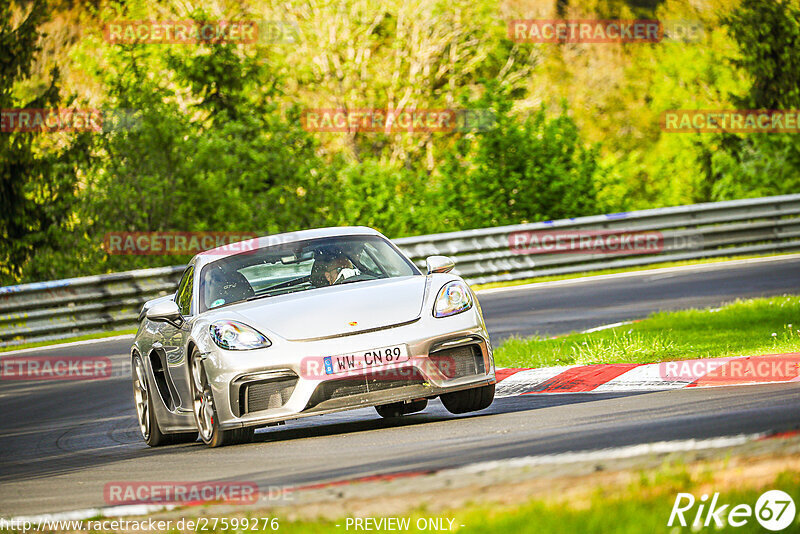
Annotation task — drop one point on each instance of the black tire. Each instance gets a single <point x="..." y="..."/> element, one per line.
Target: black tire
<point x="397" y="409"/>
<point x="233" y="437"/>
<point x="148" y="422"/>
<point x="181" y="437"/>
<point x="203" y="404"/>
<point x="468" y="400"/>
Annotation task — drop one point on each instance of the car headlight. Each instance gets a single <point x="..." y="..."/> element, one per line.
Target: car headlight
<point x="232" y="335"/>
<point x="454" y="297"/>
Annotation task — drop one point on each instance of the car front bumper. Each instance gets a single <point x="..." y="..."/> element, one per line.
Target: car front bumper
<point x="270" y="385"/>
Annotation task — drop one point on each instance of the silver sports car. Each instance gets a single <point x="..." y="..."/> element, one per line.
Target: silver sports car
<point x="306" y="323"/>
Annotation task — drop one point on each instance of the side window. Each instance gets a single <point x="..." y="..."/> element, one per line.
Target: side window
<point x="183" y="297"/>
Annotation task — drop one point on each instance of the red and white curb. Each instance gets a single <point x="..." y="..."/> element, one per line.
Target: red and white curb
<point x="625" y="377"/>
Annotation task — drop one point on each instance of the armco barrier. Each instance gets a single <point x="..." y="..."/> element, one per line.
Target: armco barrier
<point x="76" y="306"/>
<point x="67" y="308"/>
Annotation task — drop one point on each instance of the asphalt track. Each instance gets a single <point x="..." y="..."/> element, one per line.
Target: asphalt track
<point x="61" y="442"/>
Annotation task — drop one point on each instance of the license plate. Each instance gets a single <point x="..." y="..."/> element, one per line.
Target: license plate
<point x="365" y="359"/>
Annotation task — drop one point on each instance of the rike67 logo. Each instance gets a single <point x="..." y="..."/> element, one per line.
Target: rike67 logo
<point x="774" y="510"/>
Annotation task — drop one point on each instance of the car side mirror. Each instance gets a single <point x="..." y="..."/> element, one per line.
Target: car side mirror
<point x="439" y="264"/>
<point x="165" y="311"/>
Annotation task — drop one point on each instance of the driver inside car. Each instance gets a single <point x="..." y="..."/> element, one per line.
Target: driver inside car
<point x="328" y="271"/>
<point x="342" y="269"/>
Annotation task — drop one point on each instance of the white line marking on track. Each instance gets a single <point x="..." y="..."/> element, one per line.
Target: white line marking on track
<point x="646" y="272"/>
<point x="631" y="451"/>
<point x="68" y="344"/>
<point x="606" y="327"/>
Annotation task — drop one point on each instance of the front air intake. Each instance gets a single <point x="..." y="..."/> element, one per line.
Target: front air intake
<point x="459" y="362"/>
<point x="266" y="394"/>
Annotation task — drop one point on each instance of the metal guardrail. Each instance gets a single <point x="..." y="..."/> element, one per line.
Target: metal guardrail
<point x="750" y="226"/>
<point x="66" y="308"/>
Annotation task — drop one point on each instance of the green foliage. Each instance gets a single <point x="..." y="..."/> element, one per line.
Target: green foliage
<point x="210" y="151"/>
<point x="37" y="176"/>
<point x="528" y="168"/>
<point x="768" y="33"/>
<point x="217" y="142"/>
<point x="392" y="200"/>
<point x="651" y="168"/>
<point x="756" y="166"/>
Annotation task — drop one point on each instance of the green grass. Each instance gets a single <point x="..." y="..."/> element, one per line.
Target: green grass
<point x="644" y="509"/>
<point x="585" y="274"/>
<point x="743" y="328"/>
<point x="98" y="335"/>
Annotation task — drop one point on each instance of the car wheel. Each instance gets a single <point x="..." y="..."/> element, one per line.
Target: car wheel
<point x="396" y="409"/>
<point x="468" y="400"/>
<point x="146" y="416"/>
<point x="205" y="413"/>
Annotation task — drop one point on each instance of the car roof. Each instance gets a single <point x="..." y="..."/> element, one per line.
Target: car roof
<point x="232" y="249"/>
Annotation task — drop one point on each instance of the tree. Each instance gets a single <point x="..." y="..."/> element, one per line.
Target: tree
<point x="762" y="164"/>
<point x="528" y="168"/>
<point x="211" y="150"/>
<point x="402" y="55"/>
<point x="38" y="176"/>
<point x="768" y="33"/>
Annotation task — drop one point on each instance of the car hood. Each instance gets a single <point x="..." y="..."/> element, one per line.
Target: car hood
<point x="337" y="310"/>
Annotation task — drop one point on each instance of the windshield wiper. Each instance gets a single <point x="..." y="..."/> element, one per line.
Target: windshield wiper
<point x="256" y="297"/>
<point x="289" y="283"/>
<point x="351" y="280"/>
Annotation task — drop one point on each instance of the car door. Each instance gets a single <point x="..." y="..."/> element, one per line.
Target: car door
<point x="175" y="340"/>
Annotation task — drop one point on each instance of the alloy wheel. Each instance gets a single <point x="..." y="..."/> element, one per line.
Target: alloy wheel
<point x="203" y="400"/>
<point x="141" y="397"/>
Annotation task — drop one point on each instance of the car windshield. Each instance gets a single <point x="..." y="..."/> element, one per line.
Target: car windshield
<point x="299" y="266"/>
